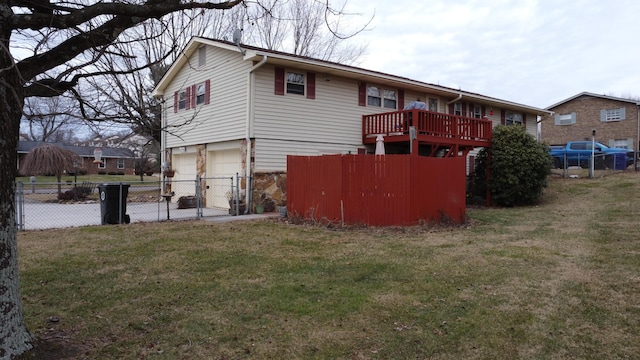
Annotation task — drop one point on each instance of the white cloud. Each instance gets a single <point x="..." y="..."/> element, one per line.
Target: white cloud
<point x="533" y="52"/>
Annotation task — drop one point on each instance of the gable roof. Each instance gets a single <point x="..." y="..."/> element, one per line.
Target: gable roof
<point x="252" y="53"/>
<point x="584" y="93"/>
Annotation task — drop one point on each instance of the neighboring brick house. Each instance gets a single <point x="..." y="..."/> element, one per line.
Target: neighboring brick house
<point x="114" y="160"/>
<point x="616" y="121"/>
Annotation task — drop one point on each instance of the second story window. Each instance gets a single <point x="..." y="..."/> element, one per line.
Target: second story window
<point x="433" y="105"/>
<point x="182" y="99"/>
<point x="200" y="93"/>
<point x="513" y="119"/>
<point x="389" y="99"/>
<point x="295" y="83"/>
<point x="475" y="111"/>
<point x="377" y="96"/>
<point x="457" y="108"/>
<point x="613" y="115"/>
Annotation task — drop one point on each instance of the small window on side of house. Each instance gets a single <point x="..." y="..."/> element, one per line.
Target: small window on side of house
<point x="182" y="99"/>
<point x="120" y="164"/>
<point x="202" y="56"/>
<point x="102" y="164"/>
<point x="295" y="83"/>
<point x="200" y="93"/>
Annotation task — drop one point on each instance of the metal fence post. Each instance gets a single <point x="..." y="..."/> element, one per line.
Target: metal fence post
<point x="19" y="207"/>
<point x="198" y="197"/>
<point x="237" y="193"/>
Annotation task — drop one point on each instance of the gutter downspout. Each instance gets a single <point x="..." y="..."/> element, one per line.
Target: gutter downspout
<point x="249" y="119"/>
<point x="456" y="99"/>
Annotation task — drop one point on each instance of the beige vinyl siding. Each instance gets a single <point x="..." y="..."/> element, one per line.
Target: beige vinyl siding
<point x="332" y="117"/>
<point x="224" y="118"/>
<point x="271" y="155"/>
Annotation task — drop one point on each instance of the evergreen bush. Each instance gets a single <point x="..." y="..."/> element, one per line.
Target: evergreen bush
<point x="519" y="166"/>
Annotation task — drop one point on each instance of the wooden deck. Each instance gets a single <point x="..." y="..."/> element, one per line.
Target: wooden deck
<point x="458" y="134"/>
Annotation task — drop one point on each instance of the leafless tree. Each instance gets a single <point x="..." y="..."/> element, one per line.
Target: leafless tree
<point x="300" y="27"/>
<point x="49" y="49"/>
<point x="50" y="120"/>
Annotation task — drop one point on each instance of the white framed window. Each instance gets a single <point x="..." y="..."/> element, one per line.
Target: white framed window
<point x="433" y="105"/>
<point x="613" y="115"/>
<point x="513" y="119"/>
<point x="389" y="99"/>
<point x="200" y="93"/>
<point x="621" y="143"/>
<point x="120" y="164"/>
<point x="380" y="97"/>
<point x="565" y="119"/>
<point x="374" y="98"/>
<point x="295" y="83"/>
<point x="202" y="56"/>
<point x="475" y="111"/>
<point x="457" y="108"/>
<point x="182" y="99"/>
<point x="102" y="164"/>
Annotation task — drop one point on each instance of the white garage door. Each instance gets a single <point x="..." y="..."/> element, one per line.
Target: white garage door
<point x="222" y="163"/>
<point x="184" y="179"/>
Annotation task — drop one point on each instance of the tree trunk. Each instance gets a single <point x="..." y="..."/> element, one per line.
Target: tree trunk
<point x="14" y="336"/>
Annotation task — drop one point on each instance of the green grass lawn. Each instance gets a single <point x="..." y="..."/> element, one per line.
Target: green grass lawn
<point x="555" y="281"/>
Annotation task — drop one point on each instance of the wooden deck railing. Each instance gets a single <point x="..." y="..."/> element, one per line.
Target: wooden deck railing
<point x="451" y="127"/>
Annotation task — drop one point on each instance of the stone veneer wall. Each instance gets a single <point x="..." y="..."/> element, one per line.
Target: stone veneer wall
<point x="270" y="189"/>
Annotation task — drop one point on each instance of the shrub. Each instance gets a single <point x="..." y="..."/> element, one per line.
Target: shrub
<point x="102" y="172"/>
<point x="519" y="167"/>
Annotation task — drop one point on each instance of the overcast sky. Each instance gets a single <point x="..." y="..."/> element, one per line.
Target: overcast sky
<point x="531" y="52"/>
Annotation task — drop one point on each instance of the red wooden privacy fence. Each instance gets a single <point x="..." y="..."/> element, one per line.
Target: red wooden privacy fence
<point x="377" y="190"/>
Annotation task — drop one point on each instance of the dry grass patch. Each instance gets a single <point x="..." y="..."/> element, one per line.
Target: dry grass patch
<point x="553" y="281"/>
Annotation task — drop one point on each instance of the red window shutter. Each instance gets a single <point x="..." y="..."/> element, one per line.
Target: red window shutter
<point x="503" y="117"/>
<point x="464" y="109"/>
<point x="400" y="99"/>
<point x="175" y="102"/>
<point x="524" y="119"/>
<point x="207" y="92"/>
<point x="483" y="111"/>
<point x="279" y="81"/>
<point x="188" y="100"/>
<point x="362" y="93"/>
<point x="193" y="96"/>
<point x="451" y="108"/>
<point x="311" y="85"/>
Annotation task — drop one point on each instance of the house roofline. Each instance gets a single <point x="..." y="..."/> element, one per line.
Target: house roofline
<point x="329" y="68"/>
<point x="585" y="93"/>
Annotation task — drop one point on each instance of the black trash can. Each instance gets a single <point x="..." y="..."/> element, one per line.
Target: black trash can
<point x="113" y="203"/>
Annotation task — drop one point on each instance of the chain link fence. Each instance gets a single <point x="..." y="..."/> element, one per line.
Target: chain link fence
<point x="67" y="204"/>
<point x="602" y="165"/>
